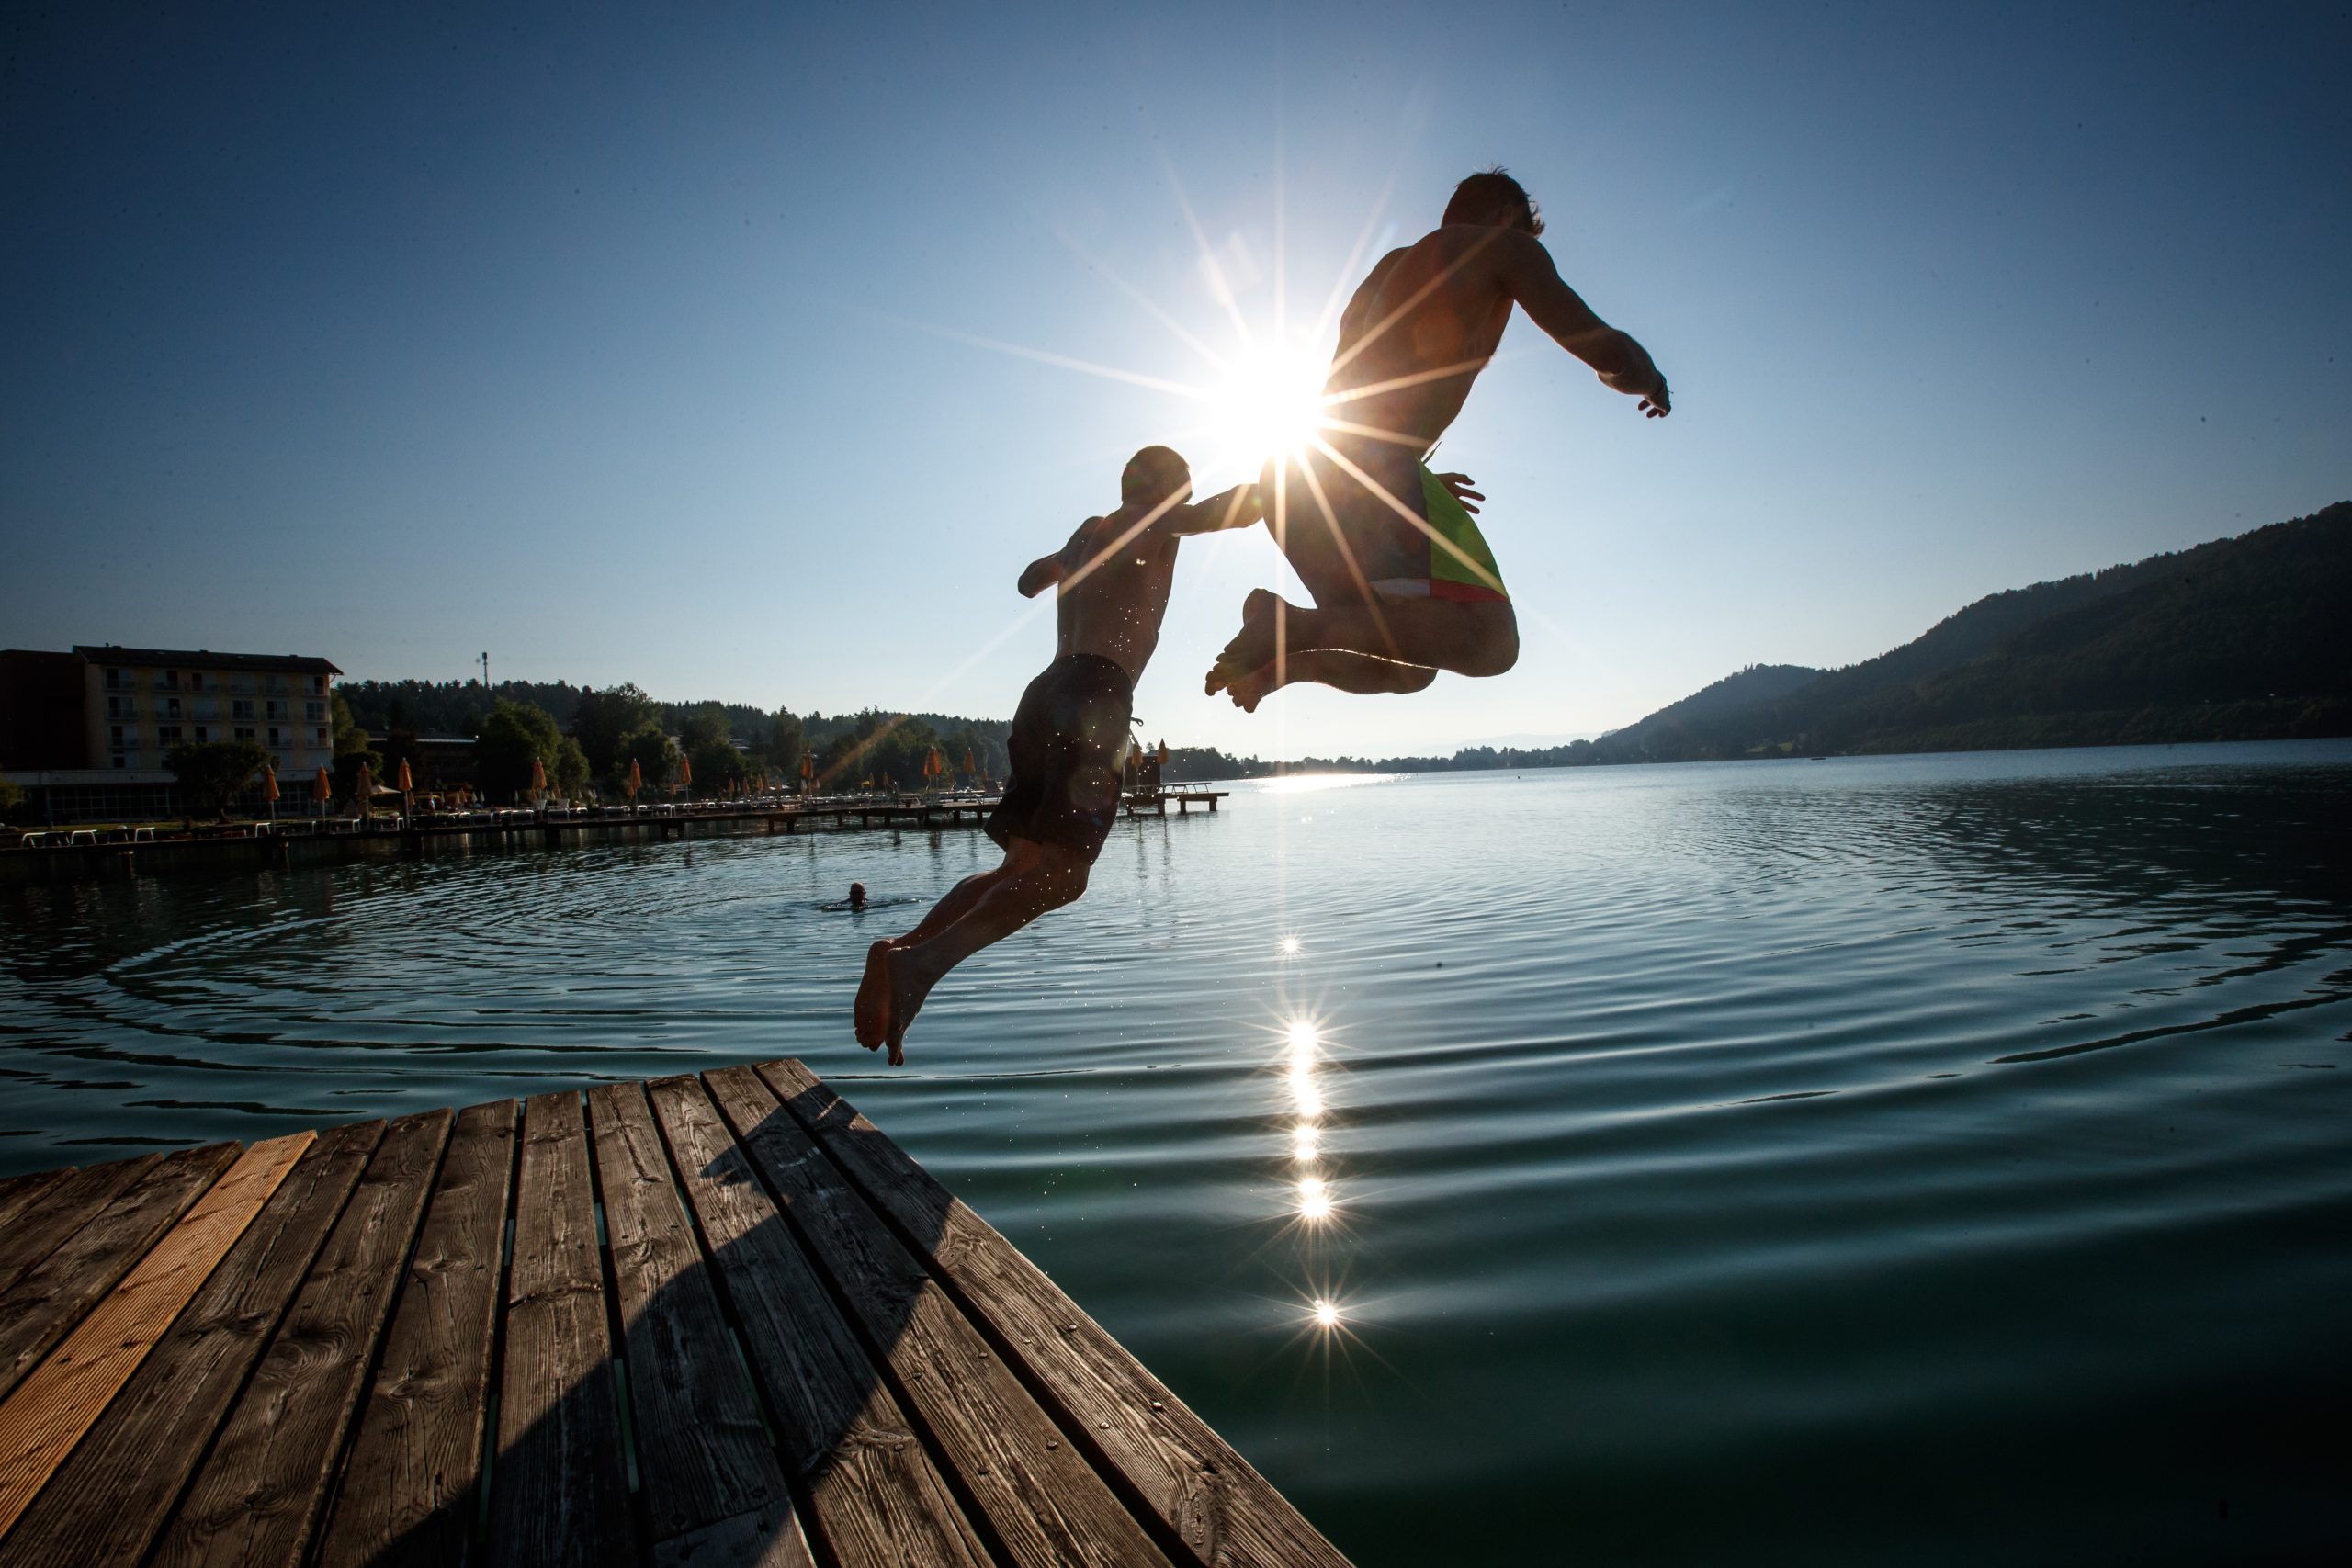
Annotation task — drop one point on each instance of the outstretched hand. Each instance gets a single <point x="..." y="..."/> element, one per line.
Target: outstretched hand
<point x="1458" y="486"/>
<point x="1039" y="575"/>
<point x="1656" y="406"/>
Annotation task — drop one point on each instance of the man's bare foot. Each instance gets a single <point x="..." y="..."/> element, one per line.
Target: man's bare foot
<point x="905" y="997"/>
<point x="1248" y="691"/>
<point x="1252" y="647"/>
<point x="870" y="1015"/>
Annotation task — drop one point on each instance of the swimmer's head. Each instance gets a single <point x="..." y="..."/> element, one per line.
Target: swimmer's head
<point x="857" y="895"/>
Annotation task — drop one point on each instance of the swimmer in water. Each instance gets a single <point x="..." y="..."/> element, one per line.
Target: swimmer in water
<point x="857" y="895"/>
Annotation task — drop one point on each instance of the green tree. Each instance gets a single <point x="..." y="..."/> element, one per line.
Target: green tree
<point x="12" y="800"/>
<point x="569" y="776"/>
<point x="706" y="737"/>
<point x="513" y="736"/>
<point x="703" y="727"/>
<point x="212" y="772"/>
<point x="785" y="743"/>
<point x="605" y="720"/>
<point x="650" y="750"/>
<point x="350" y="736"/>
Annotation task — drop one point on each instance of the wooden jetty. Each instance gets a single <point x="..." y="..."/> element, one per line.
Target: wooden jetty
<point x="39" y="853"/>
<point x="709" y="1320"/>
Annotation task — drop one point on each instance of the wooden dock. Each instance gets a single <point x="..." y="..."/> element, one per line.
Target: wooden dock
<point x="702" y="1321"/>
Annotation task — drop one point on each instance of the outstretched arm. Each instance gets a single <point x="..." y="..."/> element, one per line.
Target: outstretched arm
<point x="1235" y="508"/>
<point x="1623" y="365"/>
<point x="1040" y="574"/>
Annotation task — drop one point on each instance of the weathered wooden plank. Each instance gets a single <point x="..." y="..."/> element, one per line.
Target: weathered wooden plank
<point x="1170" y="1461"/>
<point x="22" y="1194"/>
<point x="69" y="1205"/>
<point x="409" y="1491"/>
<point x="768" y="1539"/>
<point x="559" y="1491"/>
<point x="875" y="1498"/>
<point x="40" y="1309"/>
<point x="112" y="1496"/>
<point x="702" y="1457"/>
<point x="1041" y="1500"/>
<point x="61" y="1398"/>
<point x="256" y="1496"/>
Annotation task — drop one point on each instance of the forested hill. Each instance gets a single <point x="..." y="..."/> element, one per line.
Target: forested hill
<point x="2236" y="639"/>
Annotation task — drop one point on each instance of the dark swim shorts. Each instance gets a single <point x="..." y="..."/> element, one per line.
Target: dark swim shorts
<point x="1069" y="738"/>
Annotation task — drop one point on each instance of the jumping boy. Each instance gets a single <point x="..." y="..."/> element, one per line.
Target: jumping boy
<point x="1070" y="735"/>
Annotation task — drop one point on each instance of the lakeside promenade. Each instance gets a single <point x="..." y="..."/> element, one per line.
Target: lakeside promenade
<point x="136" y="849"/>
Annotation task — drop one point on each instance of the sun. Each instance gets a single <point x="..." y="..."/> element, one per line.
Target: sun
<point x="1268" y="402"/>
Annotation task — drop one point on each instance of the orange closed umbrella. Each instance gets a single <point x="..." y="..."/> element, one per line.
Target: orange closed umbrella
<point x="404" y="783"/>
<point x="807" y="765"/>
<point x="321" y="787"/>
<point x="636" y="778"/>
<point x="366" y="789"/>
<point x="968" y="765"/>
<point x="538" y="776"/>
<point x="686" y="772"/>
<point x="269" y="783"/>
<point x="1163" y="754"/>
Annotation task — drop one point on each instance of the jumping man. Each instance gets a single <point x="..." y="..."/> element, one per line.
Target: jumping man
<point x="1404" y="585"/>
<point x="1070" y="735"/>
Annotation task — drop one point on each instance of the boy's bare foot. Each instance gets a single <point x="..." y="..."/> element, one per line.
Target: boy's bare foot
<point x="904" y="999"/>
<point x="870" y="1015"/>
<point x="1252" y="647"/>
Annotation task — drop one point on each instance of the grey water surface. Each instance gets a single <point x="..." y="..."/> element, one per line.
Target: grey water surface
<point x="1931" y="1159"/>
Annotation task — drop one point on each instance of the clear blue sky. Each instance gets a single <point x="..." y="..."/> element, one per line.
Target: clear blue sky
<point x="638" y="346"/>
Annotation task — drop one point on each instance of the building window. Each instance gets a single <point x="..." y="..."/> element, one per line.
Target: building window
<point x="114" y="680"/>
<point x="202" y="734"/>
<point x="314" y="711"/>
<point x="274" y="740"/>
<point x="319" y="684"/>
<point x="171" y="680"/>
<point x="168" y="735"/>
<point x="242" y="732"/>
<point x="274" y="710"/>
<point x="241" y="707"/>
<point x="322" y="735"/>
<point x="121" y="762"/>
<point x="196" y="680"/>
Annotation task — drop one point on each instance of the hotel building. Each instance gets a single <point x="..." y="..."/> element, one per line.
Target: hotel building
<point x="94" y="726"/>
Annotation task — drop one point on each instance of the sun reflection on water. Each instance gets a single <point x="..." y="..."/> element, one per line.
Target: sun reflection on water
<point x="1313" y="1216"/>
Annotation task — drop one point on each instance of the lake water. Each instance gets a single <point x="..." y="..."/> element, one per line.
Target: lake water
<point x="1924" y="1160"/>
